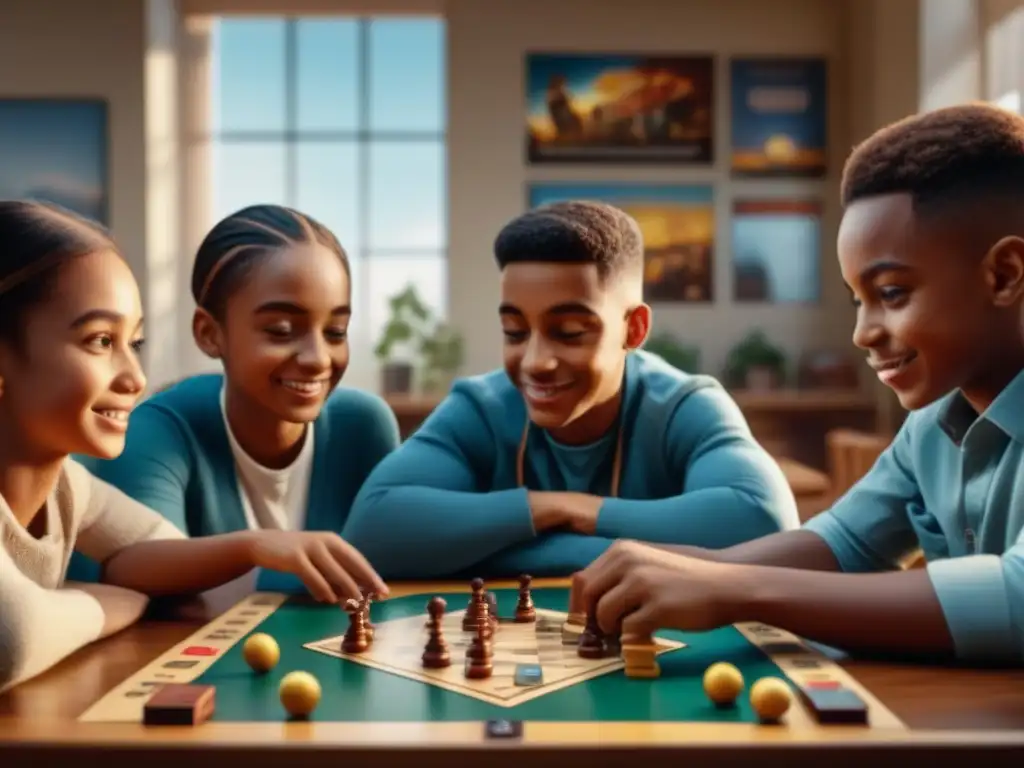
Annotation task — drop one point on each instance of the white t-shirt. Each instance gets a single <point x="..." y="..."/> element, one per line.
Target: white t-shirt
<point x="41" y="619"/>
<point x="273" y="499"/>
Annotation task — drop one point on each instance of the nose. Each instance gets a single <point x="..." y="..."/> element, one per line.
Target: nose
<point x="868" y="332"/>
<point x="314" y="354"/>
<point x="538" y="357"/>
<point x="130" y="378"/>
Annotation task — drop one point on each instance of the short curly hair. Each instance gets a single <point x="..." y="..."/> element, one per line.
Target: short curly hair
<point x="574" y="232"/>
<point x="944" y="156"/>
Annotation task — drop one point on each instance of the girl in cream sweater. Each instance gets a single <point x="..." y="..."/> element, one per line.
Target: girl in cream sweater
<point x="70" y="332"/>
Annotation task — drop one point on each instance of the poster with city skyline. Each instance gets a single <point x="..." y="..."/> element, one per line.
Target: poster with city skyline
<point x="56" y="150"/>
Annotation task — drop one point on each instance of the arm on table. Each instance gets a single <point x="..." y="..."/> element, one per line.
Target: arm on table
<point x="40" y="627"/>
<point x="422" y="512"/>
<point x="733" y="490"/>
<point x="556" y="554"/>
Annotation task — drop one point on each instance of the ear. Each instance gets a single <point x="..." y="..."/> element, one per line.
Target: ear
<point x="206" y="332"/>
<point x="1004" y="271"/>
<point x="638" y="326"/>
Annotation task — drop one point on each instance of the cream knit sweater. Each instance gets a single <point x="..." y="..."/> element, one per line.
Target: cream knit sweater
<point x="41" y="620"/>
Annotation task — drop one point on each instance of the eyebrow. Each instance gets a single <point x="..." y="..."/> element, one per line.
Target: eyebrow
<point x="289" y="308"/>
<point x="100" y="314"/>
<point x="571" y="308"/>
<point x="873" y="270"/>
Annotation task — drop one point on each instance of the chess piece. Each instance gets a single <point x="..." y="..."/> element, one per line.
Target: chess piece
<point x="365" y="607"/>
<point x="592" y="644"/>
<point x="355" y="640"/>
<point x="476" y="611"/>
<point x="436" y="654"/>
<point x="525" y="611"/>
<point x="479" y="656"/>
<point x="573" y="627"/>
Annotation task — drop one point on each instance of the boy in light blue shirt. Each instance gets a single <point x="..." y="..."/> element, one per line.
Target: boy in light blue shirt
<point x="580" y="439"/>
<point x="932" y="248"/>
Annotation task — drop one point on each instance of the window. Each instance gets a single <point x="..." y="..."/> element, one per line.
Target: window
<point x="345" y="119"/>
<point x="1004" y="61"/>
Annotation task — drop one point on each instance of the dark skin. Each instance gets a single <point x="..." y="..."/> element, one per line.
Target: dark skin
<point x="567" y="333"/>
<point x="919" y="293"/>
<point x="283" y="342"/>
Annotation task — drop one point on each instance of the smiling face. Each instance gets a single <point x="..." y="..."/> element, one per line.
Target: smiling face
<point x="284" y="336"/>
<point x="566" y="339"/>
<point x="929" y="315"/>
<point x="71" y="383"/>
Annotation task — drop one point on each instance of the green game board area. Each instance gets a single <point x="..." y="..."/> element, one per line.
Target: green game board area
<point x="354" y="692"/>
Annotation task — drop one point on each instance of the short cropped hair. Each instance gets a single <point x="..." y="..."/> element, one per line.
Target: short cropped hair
<point x="238" y="242"/>
<point x="574" y="232"/>
<point x="948" y="155"/>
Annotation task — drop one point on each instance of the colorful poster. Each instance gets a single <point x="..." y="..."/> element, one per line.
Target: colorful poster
<point x="678" y="225"/>
<point x="779" y="117"/>
<point x="776" y="247"/>
<point x="619" y="108"/>
<point x="55" y="150"/>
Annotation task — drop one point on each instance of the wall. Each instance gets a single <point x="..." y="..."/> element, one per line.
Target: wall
<point x="488" y="177"/>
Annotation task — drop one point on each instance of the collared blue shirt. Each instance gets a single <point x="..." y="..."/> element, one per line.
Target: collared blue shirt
<point x="951" y="483"/>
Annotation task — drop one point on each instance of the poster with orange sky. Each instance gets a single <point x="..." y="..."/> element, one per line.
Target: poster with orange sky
<point x="619" y="108"/>
<point x="678" y="225"/>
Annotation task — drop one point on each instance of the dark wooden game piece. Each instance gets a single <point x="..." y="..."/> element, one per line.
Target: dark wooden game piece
<point x="479" y="656"/>
<point x="835" y="704"/>
<point x="525" y="610"/>
<point x="476" y="611"/>
<point x="176" y="704"/>
<point x="592" y="641"/>
<point x="355" y="640"/>
<point x="436" y="654"/>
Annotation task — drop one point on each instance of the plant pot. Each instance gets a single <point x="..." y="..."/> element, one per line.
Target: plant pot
<point x="396" y="378"/>
<point x="761" y="378"/>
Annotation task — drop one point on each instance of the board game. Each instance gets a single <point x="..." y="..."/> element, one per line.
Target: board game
<point x="534" y="674"/>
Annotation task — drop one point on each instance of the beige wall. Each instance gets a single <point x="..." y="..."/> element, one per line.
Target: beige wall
<point x="123" y="49"/>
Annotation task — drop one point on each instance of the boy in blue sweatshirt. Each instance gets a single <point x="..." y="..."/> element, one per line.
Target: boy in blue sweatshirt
<point x="932" y="248"/>
<point x="580" y="440"/>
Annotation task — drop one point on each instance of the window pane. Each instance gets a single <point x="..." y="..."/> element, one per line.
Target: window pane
<point x="407" y="75"/>
<point x="407" y="196"/>
<point x="327" y="62"/>
<point x="246" y="174"/>
<point x="248" y="75"/>
<point x="327" y="188"/>
<point x="385" y="275"/>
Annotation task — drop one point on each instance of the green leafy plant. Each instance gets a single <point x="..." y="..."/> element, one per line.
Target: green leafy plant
<point x="754" y="352"/>
<point x="685" y="357"/>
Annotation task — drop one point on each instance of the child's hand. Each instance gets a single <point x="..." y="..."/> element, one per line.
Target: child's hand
<point x="640" y="589"/>
<point x="121" y="607"/>
<point x="331" y="568"/>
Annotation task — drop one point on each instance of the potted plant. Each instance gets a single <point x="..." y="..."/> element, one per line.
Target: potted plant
<point x="682" y="356"/>
<point x="442" y="354"/>
<point x="398" y="341"/>
<point x="755" y="363"/>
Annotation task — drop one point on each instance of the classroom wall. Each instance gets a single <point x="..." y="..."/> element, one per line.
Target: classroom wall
<point x="127" y="51"/>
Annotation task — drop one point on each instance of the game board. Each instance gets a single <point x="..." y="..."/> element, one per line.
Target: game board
<point x="363" y="690"/>
<point x="398" y="646"/>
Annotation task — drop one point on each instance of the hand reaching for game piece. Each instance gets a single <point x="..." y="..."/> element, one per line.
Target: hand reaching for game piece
<point x="642" y="589"/>
<point x="332" y="569"/>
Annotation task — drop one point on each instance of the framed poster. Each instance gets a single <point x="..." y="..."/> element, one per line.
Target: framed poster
<point x="678" y="225"/>
<point x="776" y="251"/>
<point x="619" y="108"/>
<point x="779" y="117"/>
<point x="56" y="150"/>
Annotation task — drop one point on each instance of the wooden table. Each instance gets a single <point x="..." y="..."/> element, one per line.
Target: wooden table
<point x="958" y="714"/>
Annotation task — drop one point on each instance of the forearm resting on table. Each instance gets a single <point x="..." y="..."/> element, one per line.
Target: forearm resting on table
<point x="802" y="550"/>
<point x="884" y="613"/>
<point x="181" y="566"/>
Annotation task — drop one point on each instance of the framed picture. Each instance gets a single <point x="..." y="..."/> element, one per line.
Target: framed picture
<point x="776" y="247"/>
<point x="678" y="225"/>
<point x="619" y="108"/>
<point x="779" y="117"/>
<point x="56" y="150"/>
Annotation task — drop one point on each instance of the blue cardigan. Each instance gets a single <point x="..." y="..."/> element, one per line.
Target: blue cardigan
<point x="447" y="503"/>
